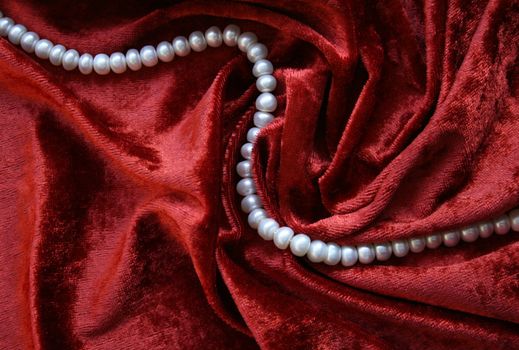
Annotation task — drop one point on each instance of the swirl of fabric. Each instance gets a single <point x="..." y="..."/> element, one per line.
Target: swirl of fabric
<point x="120" y="225"/>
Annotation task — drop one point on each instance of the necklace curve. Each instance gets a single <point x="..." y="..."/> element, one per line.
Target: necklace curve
<point x="283" y="237"/>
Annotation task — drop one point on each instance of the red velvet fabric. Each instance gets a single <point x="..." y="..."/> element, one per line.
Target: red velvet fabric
<point x="120" y="225"/>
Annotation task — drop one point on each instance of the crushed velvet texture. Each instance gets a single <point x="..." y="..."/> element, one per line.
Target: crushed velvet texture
<point x="120" y="226"/>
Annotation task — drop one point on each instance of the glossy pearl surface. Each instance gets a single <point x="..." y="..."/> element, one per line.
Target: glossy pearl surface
<point x="417" y="244"/>
<point x="400" y="248"/>
<point x="300" y="244"/>
<point x="366" y="253"/>
<point x="165" y="51"/>
<point x="15" y="33"/>
<point x="42" y="48"/>
<point x="349" y="256"/>
<point x="70" y="59"/>
<point x="56" y="54"/>
<point x="86" y="63"/>
<point x="197" y="41"/>
<point x="333" y="254"/>
<point x="133" y="59"/>
<point x="181" y="46"/>
<point x="255" y="217"/>
<point x="282" y="237"/>
<point x="451" y="238"/>
<point x="262" y="67"/>
<point x="230" y="35"/>
<point x="502" y="225"/>
<point x="318" y="251"/>
<point x="28" y="41"/>
<point x="266" y="228"/>
<point x="383" y="251"/>
<point x="245" y="40"/>
<point x="213" y="37"/>
<point x="102" y="64"/>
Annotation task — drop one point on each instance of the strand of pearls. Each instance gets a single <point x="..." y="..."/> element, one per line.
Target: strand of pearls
<point x="269" y="229"/>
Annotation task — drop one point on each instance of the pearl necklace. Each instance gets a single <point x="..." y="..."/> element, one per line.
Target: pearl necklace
<point x="266" y="103"/>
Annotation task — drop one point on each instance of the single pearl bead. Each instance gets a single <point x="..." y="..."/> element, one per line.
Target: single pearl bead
<point x="257" y="51"/>
<point x="266" y="102"/>
<point x="16" y="32"/>
<point x="213" y="36"/>
<point x="317" y="251"/>
<point x="469" y="234"/>
<point x="118" y="62"/>
<point x="231" y="34"/>
<point x="383" y="251"/>
<point x="255" y="217"/>
<point x="282" y="237"/>
<point x="197" y="41"/>
<point x="262" y="119"/>
<point x="70" y="60"/>
<point x="502" y="225"/>
<point x="165" y="51"/>
<point x="181" y="46"/>
<point x="245" y="40"/>
<point x="244" y="168"/>
<point x="42" y="48"/>
<point x="149" y="56"/>
<point x="416" y="244"/>
<point x="28" y="41"/>
<point x="56" y="54"/>
<point x="266" y="228"/>
<point x="514" y="219"/>
<point x="252" y="134"/>
<point x="250" y="202"/>
<point x="262" y="67"/>
<point x="433" y="241"/>
<point x="246" y="186"/>
<point x="246" y="150"/>
<point x="366" y="253"/>
<point x="451" y="238"/>
<point x="133" y="59"/>
<point x="400" y="248"/>
<point x="102" y="64"/>
<point x="86" y="63"/>
<point x="266" y="83"/>
<point x="6" y="24"/>
<point x="350" y="255"/>
<point x="300" y="244"/>
<point x="333" y="255"/>
<point x="486" y="229"/>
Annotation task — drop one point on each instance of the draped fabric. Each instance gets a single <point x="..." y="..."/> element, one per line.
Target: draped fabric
<point x="119" y="220"/>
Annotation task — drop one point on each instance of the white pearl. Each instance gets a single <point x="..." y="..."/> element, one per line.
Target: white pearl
<point x="266" y="102"/>
<point x="133" y="59"/>
<point x="257" y="51"/>
<point x="383" y="251"/>
<point x="244" y="168"/>
<point x="282" y="237"/>
<point x="266" y="83"/>
<point x="266" y="228"/>
<point x="350" y="256"/>
<point x="250" y="202"/>
<point x="486" y="229"/>
<point x="56" y="54"/>
<point x="333" y="254"/>
<point x="262" y="67"/>
<point x="252" y="134"/>
<point x="28" y="41"/>
<point x="197" y="41"/>
<point x="246" y="186"/>
<point x="213" y="36"/>
<point x="165" y="51"/>
<point x="181" y="46"/>
<point x="366" y="253"/>
<point x="514" y="219"/>
<point x="469" y="234"/>
<point x="262" y="119"/>
<point x="245" y="40"/>
<point x="149" y="56"/>
<point x="42" y="48"/>
<point x="400" y="248"/>
<point x="118" y="62"/>
<point x="102" y="64"/>
<point x="502" y="225"/>
<point x="246" y="150"/>
<point x="300" y="244"/>
<point x="433" y="241"/>
<point x="70" y="59"/>
<point x="6" y="24"/>
<point x="317" y="252"/>
<point x="451" y="238"/>
<point x="231" y="34"/>
<point x="255" y="217"/>
<point x="86" y="63"/>
<point x="417" y="244"/>
<point x="15" y="33"/>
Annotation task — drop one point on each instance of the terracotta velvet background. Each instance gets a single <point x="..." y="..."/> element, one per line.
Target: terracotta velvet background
<point x="120" y="226"/>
